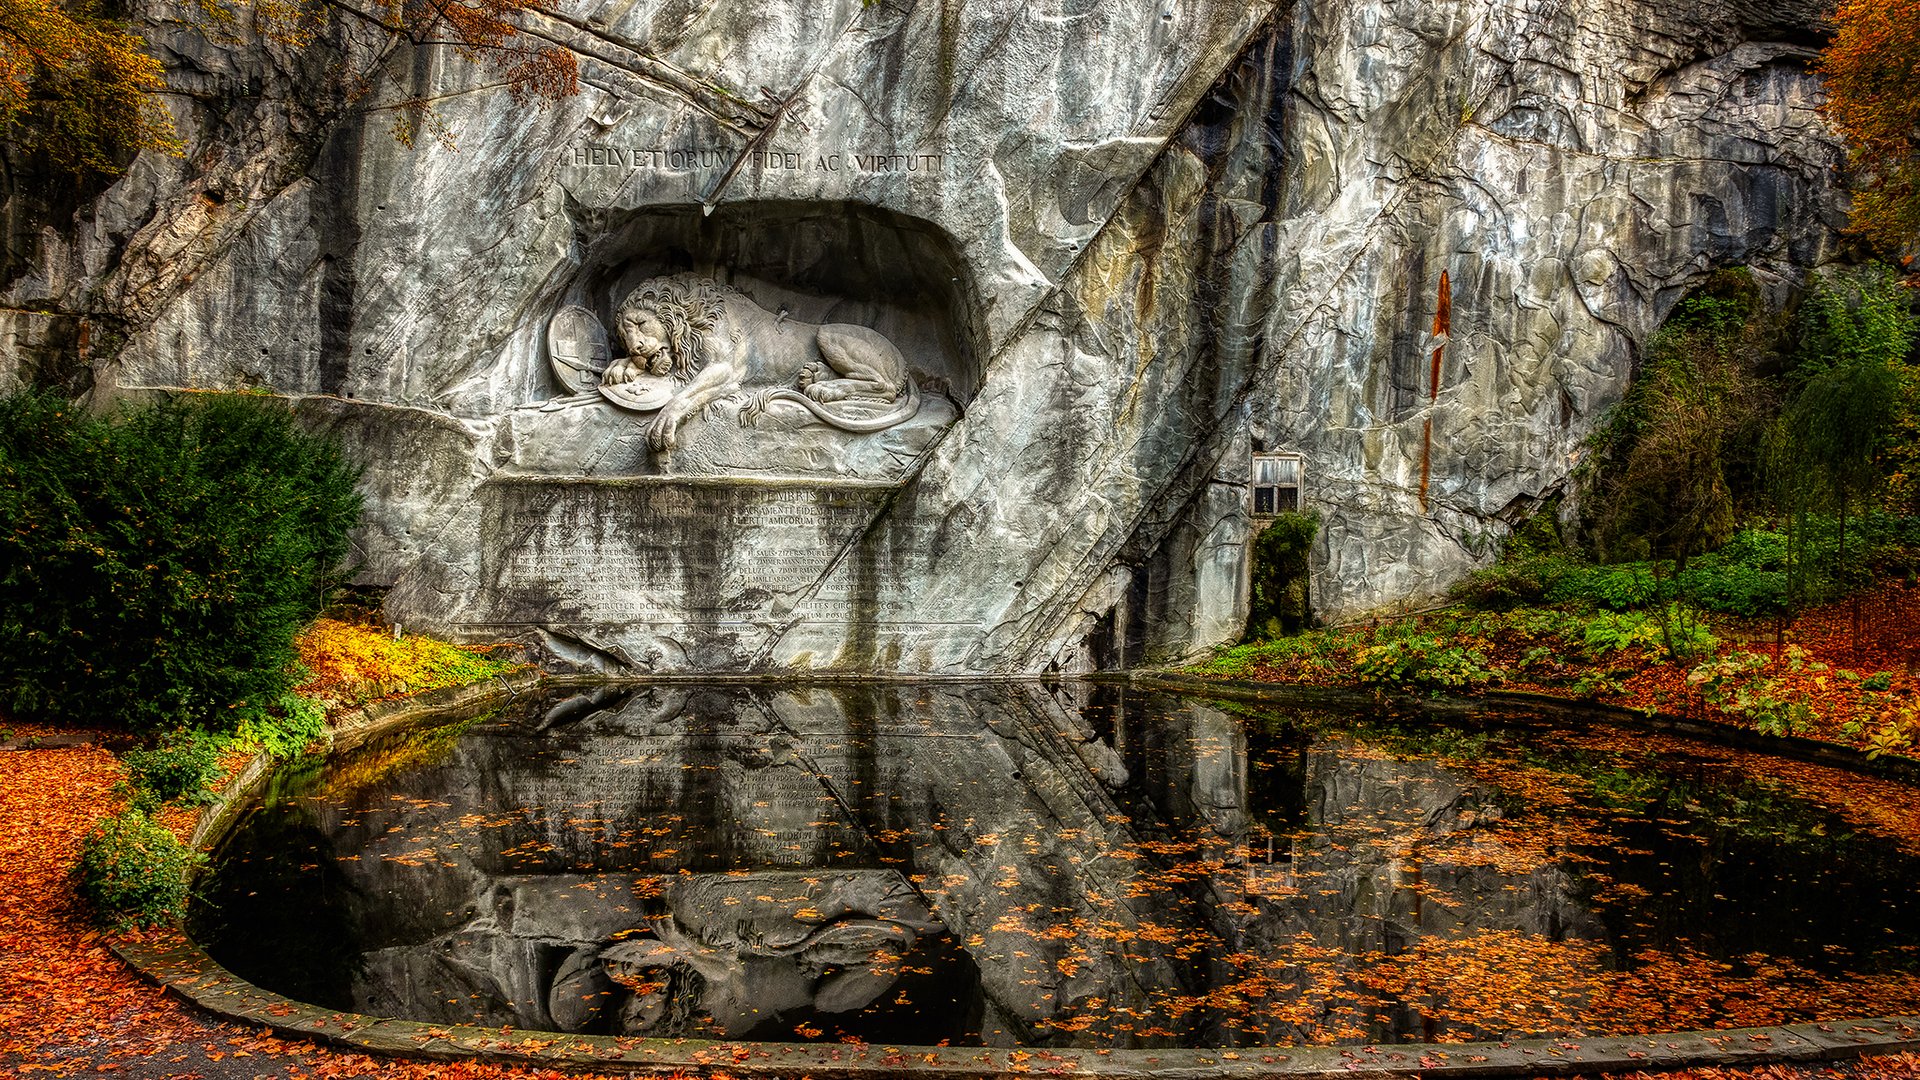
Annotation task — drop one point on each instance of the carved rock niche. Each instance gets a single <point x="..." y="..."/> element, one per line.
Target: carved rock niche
<point x="768" y="340"/>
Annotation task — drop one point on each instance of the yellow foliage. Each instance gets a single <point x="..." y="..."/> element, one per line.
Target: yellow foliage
<point x="77" y="86"/>
<point x="354" y="663"/>
<point x="1872" y="69"/>
<point x="83" y="88"/>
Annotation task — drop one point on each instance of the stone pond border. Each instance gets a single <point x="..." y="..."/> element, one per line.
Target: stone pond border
<point x="1506" y="702"/>
<point x="175" y="962"/>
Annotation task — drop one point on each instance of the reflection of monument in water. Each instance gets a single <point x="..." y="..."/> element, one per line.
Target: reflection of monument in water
<point x="913" y="863"/>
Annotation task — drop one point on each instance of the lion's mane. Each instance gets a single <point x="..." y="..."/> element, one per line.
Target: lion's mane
<point x="689" y="308"/>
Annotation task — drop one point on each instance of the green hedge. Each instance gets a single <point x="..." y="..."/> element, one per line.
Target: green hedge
<point x="181" y="766"/>
<point x="156" y="564"/>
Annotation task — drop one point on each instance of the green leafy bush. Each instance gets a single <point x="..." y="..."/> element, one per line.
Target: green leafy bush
<point x="1615" y="632"/>
<point x="287" y="728"/>
<point x="1514" y="582"/>
<point x="1315" y="654"/>
<point x="133" y="871"/>
<point x="159" y="561"/>
<point x="1616" y="588"/>
<point x="1671" y="630"/>
<point x="181" y="766"/>
<point x="1422" y="661"/>
<point x="1747" y="576"/>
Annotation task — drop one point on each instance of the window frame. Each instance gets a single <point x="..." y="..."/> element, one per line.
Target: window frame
<point x="1278" y="502"/>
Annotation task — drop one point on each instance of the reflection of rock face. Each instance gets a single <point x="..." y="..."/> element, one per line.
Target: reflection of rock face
<point x="1134" y="238"/>
<point x="911" y="863"/>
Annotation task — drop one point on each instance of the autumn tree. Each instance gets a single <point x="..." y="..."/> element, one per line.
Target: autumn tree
<point x="1872" y="68"/>
<point x="77" y="86"/>
<point x="482" y="32"/>
<point x="82" y="88"/>
<point x="1683" y="447"/>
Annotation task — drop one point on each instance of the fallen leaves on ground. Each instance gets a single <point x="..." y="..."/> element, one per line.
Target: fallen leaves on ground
<point x="69" y="1007"/>
<point x="1851" y="663"/>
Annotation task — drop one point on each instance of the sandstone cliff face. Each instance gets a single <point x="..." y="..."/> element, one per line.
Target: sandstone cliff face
<point x="1121" y="245"/>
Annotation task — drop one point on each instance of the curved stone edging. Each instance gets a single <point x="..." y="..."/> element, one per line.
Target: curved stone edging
<point x="350" y="728"/>
<point x="1495" y="701"/>
<point x="176" y="963"/>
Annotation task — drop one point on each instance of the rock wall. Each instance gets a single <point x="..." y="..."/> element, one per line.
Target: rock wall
<point x="1111" y="248"/>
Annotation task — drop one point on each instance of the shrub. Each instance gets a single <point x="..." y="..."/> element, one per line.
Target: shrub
<point x="133" y="871"/>
<point x="1614" y="632"/>
<point x="352" y="663"/>
<point x="1616" y="588"/>
<point x="1514" y="582"/>
<point x="180" y="767"/>
<point x="1896" y="734"/>
<point x="1674" y="630"/>
<point x="1745" y="577"/>
<point x="1737" y="684"/>
<point x="287" y="728"/>
<point x="1595" y="683"/>
<point x="1316" y="654"/>
<point x="1422" y="661"/>
<point x="161" y="560"/>
<point x="1533" y="558"/>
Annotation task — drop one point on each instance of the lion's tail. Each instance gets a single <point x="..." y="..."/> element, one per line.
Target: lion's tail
<point x="860" y="425"/>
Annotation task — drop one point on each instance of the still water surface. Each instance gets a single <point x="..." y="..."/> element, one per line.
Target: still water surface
<point x="1067" y="864"/>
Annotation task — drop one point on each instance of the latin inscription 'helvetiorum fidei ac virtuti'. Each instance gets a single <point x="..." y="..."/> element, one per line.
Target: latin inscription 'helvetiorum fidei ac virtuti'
<point x="611" y="156"/>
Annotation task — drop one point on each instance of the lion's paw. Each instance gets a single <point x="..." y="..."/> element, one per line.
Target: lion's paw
<point x="753" y="407"/>
<point x="663" y="433"/>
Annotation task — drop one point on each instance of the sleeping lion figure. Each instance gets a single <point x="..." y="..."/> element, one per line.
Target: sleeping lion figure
<point x="714" y="343"/>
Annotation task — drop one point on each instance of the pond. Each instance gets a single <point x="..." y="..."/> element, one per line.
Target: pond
<point x="1064" y="864"/>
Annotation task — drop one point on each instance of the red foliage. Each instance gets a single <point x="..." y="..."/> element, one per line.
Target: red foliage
<point x="1872" y="68"/>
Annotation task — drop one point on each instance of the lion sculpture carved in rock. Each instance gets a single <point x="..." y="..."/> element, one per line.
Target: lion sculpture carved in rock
<point x="713" y="342"/>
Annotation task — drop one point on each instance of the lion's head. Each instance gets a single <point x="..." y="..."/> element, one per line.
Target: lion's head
<point x="666" y="323"/>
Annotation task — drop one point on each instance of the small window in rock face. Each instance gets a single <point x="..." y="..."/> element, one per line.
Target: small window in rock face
<point x="1276" y="484"/>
